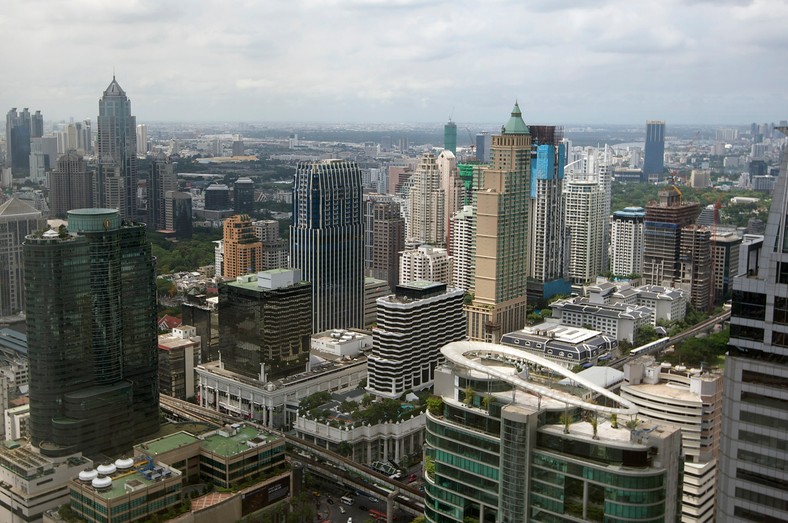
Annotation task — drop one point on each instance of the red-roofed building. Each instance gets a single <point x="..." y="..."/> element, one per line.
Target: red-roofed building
<point x="167" y="323"/>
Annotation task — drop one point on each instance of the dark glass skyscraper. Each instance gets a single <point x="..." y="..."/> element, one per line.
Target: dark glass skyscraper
<point x="91" y="309"/>
<point x="327" y="240"/>
<point x="450" y="137"/>
<point x="753" y="481"/>
<point x="116" y="153"/>
<point x="654" y="155"/>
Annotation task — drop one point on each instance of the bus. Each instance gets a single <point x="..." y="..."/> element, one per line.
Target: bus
<point x="377" y="515"/>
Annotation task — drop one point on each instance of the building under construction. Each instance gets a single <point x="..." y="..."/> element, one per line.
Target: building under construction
<point x="662" y="238"/>
<point x="695" y="262"/>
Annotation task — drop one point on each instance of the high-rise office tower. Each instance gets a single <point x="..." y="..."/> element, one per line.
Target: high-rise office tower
<point x="142" y="139"/>
<point x="654" y="153"/>
<point x="36" y="125"/>
<point x="426" y="204"/>
<point x="276" y="250"/>
<point x="450" y="137"/>
<point x="754" y="458"/>
<point x="725" y="259"/>
<point x="243" y="195"/>
<point x="662" y="237"/>
<point x="501" y="243"/>
<point x="243" y="252"/>
<point x="162" y="180"/>
<point x="217" y="197"/>
<point x="412" y="326"/>
<point x="91" y="332"/>
<point x="265" y="319"/>
<point x="178" y="213"/>
<point x="585" y="221"/>
<point x="17" y="220"/>
<point x="70" y="185"/>
<point x="384" y="238"/>
<point x="548" y="240"/>
<point x="327" y="240"/>
<point x="483" y="142"/>
<point x="38" y="162"/>
<point x="116" y="153"/>
<point x="626" y="241"/>
<point x="17" y="138"/>
<point x="502" y="446"/>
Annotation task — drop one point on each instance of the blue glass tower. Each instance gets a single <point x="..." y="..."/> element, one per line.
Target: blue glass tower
<point x="654" y="155"/>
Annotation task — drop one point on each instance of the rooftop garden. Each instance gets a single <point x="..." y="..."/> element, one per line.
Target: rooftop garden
<point x="367" y="410"/>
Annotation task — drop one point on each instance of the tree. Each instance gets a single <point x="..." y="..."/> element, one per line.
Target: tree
<point x="435" y="405"/>
<point x="645" y="335"/>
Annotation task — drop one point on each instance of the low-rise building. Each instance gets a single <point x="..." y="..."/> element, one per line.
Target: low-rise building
<point x="623" y="322"/>
<point x="566" y="345"/>
<point x="126" y="490"/>
<point x="31" y="483"/>
<point x="226" y="457"/>
<point x="17" y="423"/>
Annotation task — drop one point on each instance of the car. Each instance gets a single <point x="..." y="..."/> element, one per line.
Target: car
<point x="412" y="478"/>
<point x="330" y="501"/>
<point x="374" y="499"/>
<point x="349" y="520"/>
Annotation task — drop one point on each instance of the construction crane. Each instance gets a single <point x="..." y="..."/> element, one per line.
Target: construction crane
<point x="673" y="180"/>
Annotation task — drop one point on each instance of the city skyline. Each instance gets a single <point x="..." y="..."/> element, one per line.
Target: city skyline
<point x="404" y="61"/>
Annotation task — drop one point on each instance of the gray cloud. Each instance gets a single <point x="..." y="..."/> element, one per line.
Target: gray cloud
<point x="400" y="60"/>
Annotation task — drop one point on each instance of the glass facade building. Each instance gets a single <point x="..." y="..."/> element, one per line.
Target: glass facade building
<point x="91" y="335"/>
<point x="327" y="241"/>
<point x="654" y="154"/>
<point x="753" y="482"/>
<point x="505" y="447"/>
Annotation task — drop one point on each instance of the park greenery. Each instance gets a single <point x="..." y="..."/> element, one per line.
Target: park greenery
<point x="370" y="411"/>
<point x="184" y="255"/>
<point x="700" y="352"/>
<point x="640" y="194"/>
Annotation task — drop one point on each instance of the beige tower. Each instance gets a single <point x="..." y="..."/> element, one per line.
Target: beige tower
<point x="501" y="266"/>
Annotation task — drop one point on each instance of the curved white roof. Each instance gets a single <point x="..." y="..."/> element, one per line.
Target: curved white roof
<point x="463" y="353"/>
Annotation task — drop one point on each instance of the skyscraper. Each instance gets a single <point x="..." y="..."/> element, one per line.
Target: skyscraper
<point x="654" y="154"/>
<point x="91" y="327"/>
<point x="327" y="240"/>
<point x="116" y="153"/>
<point x="426" y="202"/>
<point x="17" y="220"/>
<point x="548" y="242"/>
<point x="753" y="483"/>
<point x="584" y="204"/>
<point x="70" y="185"/>
<point x="17" y="137"/>
<point x="450" y="137"/>
<point x="384" y="233"/>
<point x="243" y="195"/>
<point x="162" y="180"/>
<point x="501" y="244"/>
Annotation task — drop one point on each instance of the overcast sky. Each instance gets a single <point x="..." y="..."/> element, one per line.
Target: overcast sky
<point x="573" y="61"/>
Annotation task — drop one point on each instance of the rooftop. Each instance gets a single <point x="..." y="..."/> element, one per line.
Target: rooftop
<point x="229" y="445"/>
<point x="168" y="443"/>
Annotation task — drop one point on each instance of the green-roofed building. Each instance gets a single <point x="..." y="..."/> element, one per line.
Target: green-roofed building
<point x="501" y="235"/>
<point x="226" y="457"/>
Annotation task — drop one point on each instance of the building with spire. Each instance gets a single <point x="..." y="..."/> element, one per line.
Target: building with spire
<point x="327" y="240"/>
<point x="501" y="236"/>
<point x="91" y="331"/>
<point x="116" y="153"/>
<point x="17" y="220"/>
<point x="753" y="480"/>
